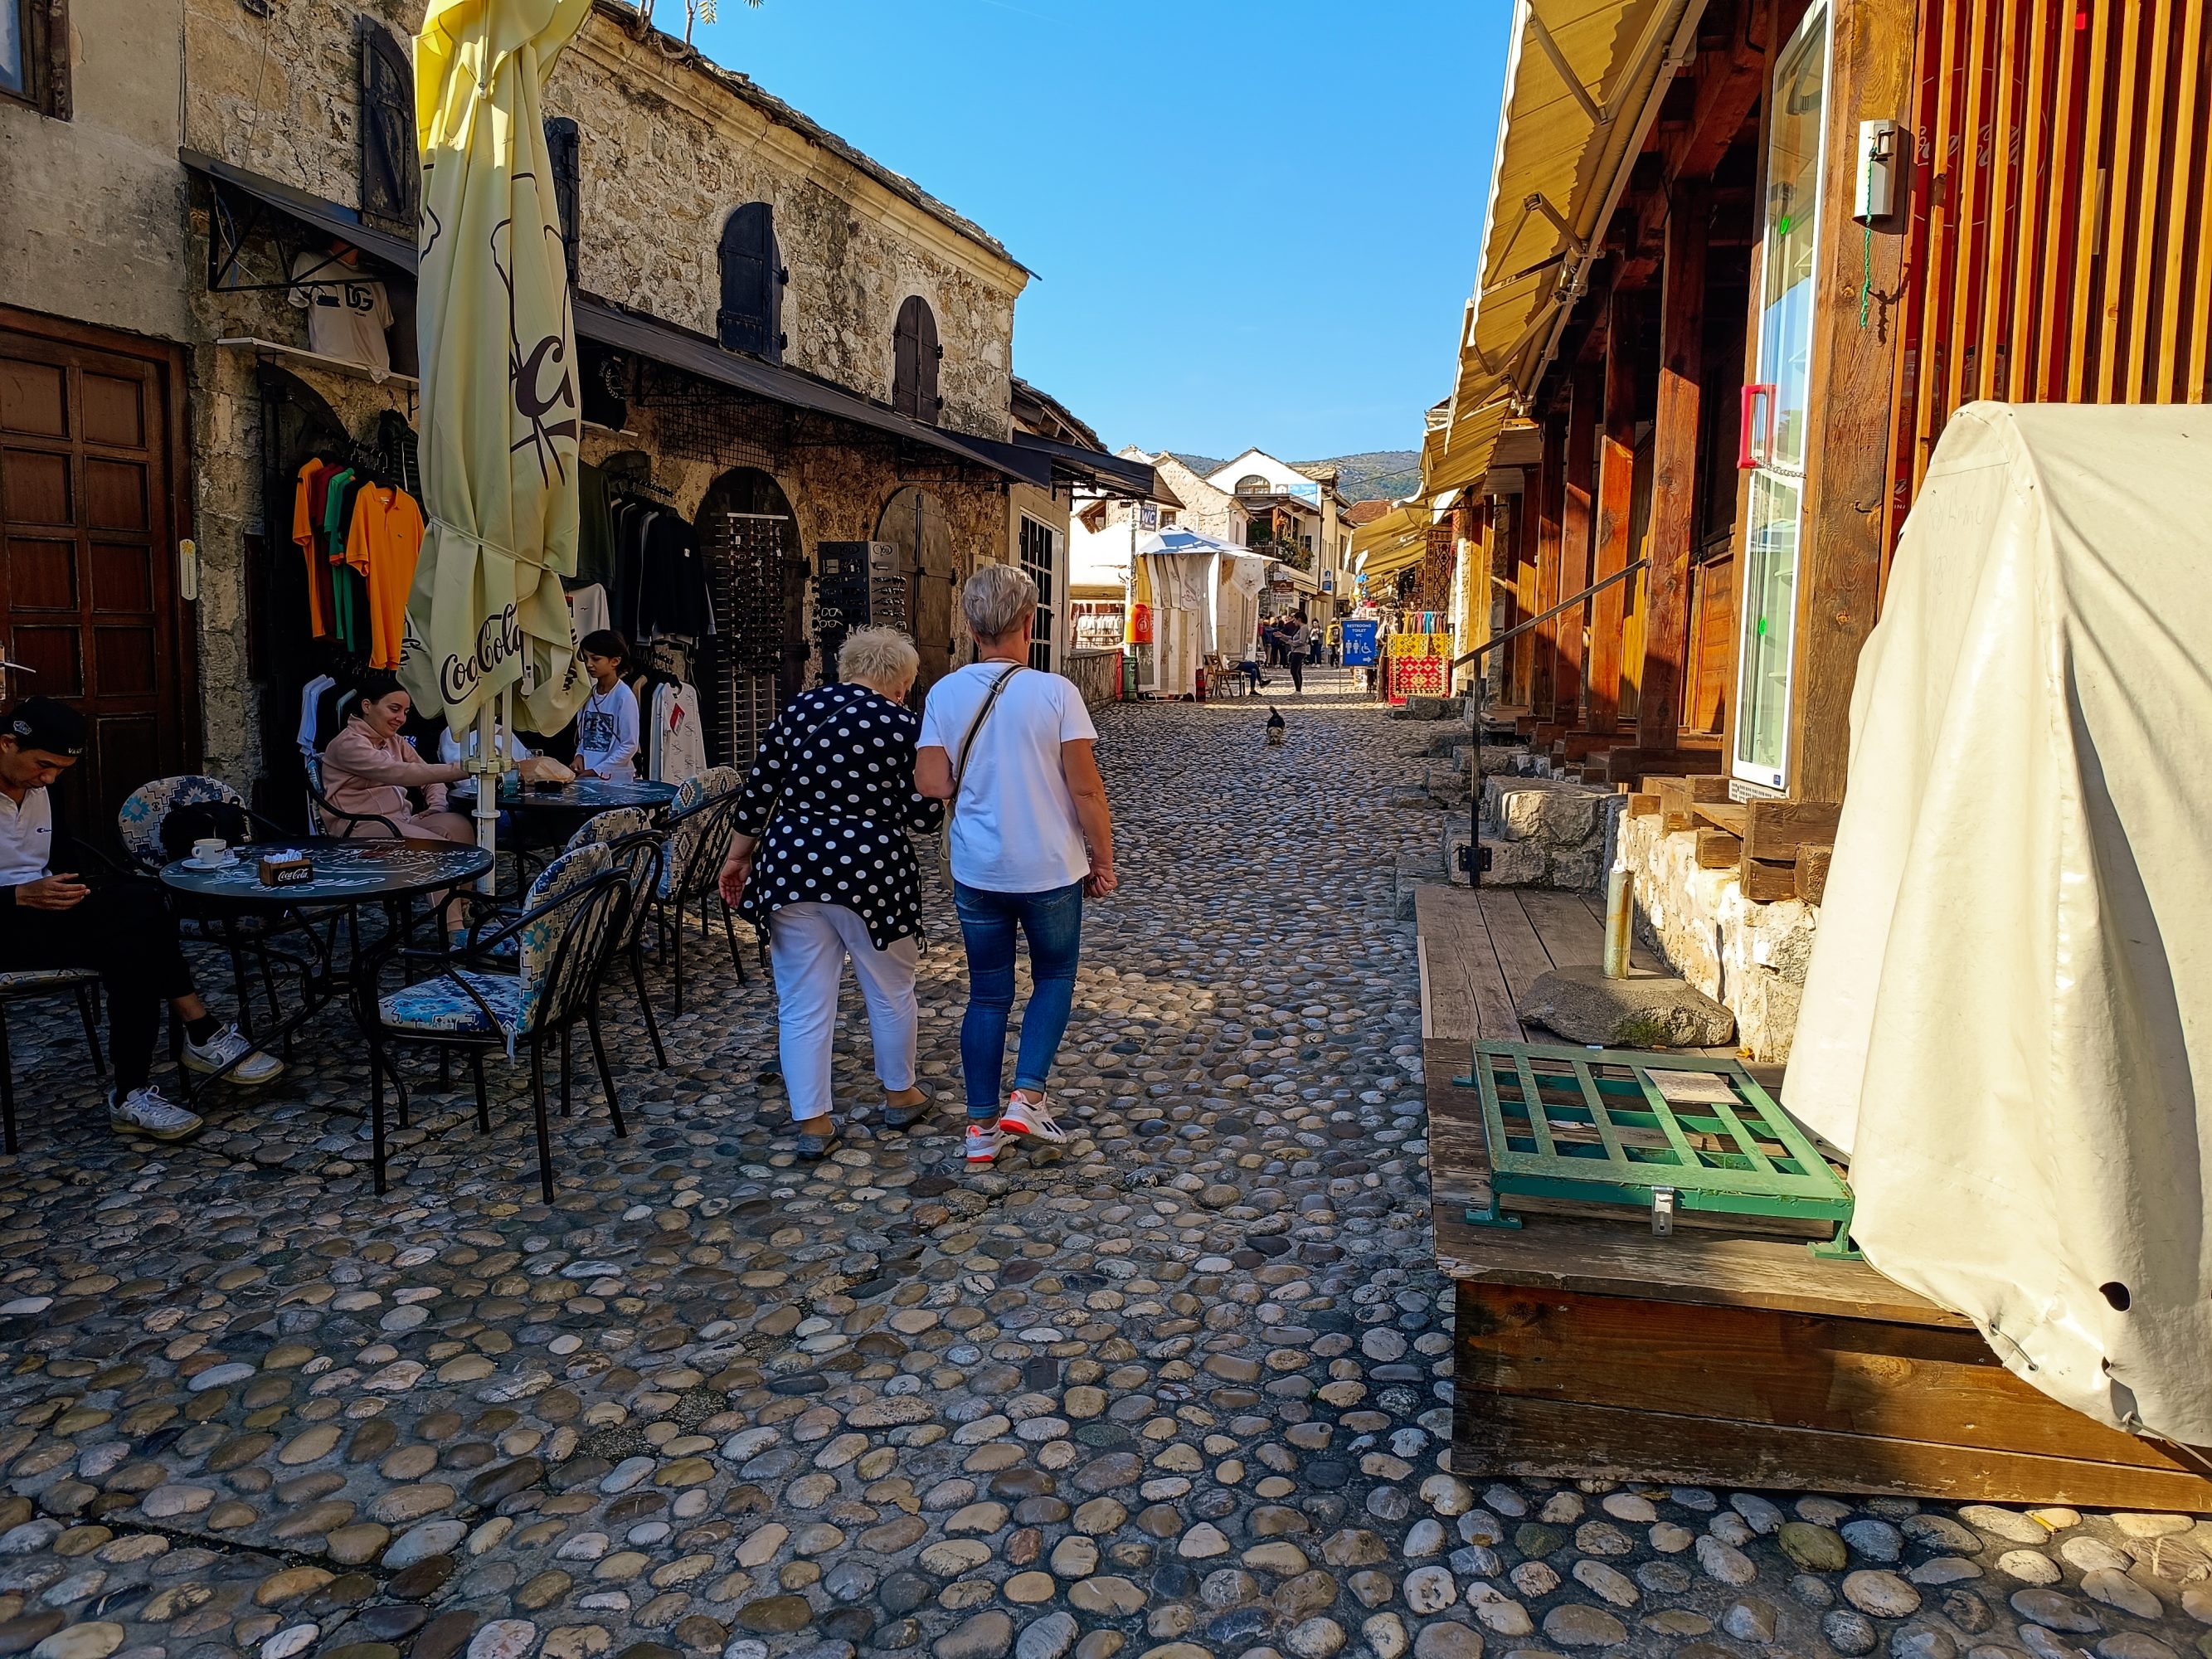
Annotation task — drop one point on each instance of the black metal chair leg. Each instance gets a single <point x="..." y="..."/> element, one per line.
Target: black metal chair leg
<point x="606" y="1071"/>
<point x="445" y="1067"/>
<point x="376" y="1112"/>
<point x="84" y="994"/>
<point x="645" y="1002"/>
<point x="538" y="1111"/>
<point x="237" y="981"/>
<point x="678" y="936"/>
<point x="484" y="1105"/>
<point x="6" y="1087"/>
<point x="730" y="933"/>
<point x="568" y="1069"/>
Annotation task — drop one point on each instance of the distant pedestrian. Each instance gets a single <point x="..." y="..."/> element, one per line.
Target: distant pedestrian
<point x="1297" y="641"/>
<point x="826" y="811"/>
<point x="1012" y="749"/>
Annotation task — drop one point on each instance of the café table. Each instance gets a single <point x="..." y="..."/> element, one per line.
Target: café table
<point x="548" y="814"/>
<point x="345" y="875"/>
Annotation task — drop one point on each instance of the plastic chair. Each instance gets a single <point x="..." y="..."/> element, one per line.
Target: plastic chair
<point x="23" y="986"/>
<point x="478" y="1002"/>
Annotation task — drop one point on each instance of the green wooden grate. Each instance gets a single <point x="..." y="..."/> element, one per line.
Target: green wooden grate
<point x="1669" y="1133"/>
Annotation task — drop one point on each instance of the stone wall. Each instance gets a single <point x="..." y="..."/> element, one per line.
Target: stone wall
<point x="670" y="146"/>
<point x="1751" y="957"/>
<point x="1097" y="674"/>
<point x="91" y="209"/>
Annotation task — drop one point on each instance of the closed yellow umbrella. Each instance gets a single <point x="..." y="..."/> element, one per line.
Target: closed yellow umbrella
<point x="501" y="419"/>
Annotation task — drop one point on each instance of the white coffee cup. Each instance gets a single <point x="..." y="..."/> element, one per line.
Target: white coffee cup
<point x="210" y="849"/>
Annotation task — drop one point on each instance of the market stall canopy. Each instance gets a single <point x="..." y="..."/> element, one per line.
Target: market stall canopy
<point x="2008" y="1020"/>
<point x="501" y="418"/>
<point x="1177" y="539"/>
<point x="1583" y="81"/>
<point x="1399" y="539"/>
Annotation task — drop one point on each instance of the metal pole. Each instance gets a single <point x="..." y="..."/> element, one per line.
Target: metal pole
<point x="484" y="766"/>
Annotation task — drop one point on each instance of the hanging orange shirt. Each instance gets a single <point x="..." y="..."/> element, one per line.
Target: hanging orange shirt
<point x="303" y="536"/>
<point x="382" y="542"/>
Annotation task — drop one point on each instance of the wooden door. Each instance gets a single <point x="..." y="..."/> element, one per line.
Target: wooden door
<point x="89" y="527"/>
<point x="914" y="522"/>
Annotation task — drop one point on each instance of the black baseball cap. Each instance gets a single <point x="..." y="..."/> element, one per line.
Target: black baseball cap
<point x="45" y="724"/>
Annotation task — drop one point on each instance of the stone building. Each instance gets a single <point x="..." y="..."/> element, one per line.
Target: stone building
<point x="782" y="341"/>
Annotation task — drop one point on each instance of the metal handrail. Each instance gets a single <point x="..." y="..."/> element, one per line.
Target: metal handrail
<point x="1519" y="629"/>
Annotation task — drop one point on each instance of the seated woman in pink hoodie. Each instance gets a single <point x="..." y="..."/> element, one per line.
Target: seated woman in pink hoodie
<point x="369" y="768"/>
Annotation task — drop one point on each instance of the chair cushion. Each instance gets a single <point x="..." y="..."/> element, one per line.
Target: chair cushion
<point x="27" y="979"/>
<point x="139" y="820"/>
<point x="438" y="1005"/>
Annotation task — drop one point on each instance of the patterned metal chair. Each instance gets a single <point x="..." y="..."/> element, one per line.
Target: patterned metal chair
<point x="325" y="819"/>
<point x="478" y="1001"/>
<point x="628" y="833"/>
<point x="699" y="826"/>
<point x="37" y="983"/>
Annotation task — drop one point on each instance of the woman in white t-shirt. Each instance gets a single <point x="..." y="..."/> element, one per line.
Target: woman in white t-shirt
<point x="1012" y="748"/>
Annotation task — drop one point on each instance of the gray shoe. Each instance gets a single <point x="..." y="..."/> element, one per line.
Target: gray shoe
<point x="144" y="1112"/>
<point x="900" y="1117"/>
<point x="812" y="1149"/>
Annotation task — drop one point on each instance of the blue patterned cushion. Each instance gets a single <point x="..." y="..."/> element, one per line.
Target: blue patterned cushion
<point x="609" y="826"/>
<point x="48" y="978"/>
<point x="139" y="819"/>
<point x="438" y="1005"/>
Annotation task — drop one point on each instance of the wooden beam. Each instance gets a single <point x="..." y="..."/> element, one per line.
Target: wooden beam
<point x="1616" y="500"/>
<point x="1767" y="884"/>
<point x="1718" y="850"/>
<point x="1584" y="397"/>
<point x="1523" y="650"/>
<point x="1774" y="830"/>
<point x="1728" y="82"/>
<point x="1812" y="872"/>
<point x="1674" y="434"/>
<point x="1542" y="693"/>
<point x="1847" y="459"/>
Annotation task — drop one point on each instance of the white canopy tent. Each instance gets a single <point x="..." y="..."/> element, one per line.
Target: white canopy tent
<point x="2008" y="1022"/>
<point x="1204" y="599"/>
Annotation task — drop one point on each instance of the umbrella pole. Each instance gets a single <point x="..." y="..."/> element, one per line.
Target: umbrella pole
<point x="485" y="764"/>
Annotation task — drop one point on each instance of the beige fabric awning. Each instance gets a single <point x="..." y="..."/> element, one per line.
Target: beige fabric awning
<point x="1584" y="80"/>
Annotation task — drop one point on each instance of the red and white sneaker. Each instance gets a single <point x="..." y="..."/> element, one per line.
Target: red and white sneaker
<point x="1032" y="1118"/>
<point x="984" y="1141"/>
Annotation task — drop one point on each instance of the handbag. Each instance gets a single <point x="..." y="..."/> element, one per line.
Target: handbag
<point x="960" y="769"/>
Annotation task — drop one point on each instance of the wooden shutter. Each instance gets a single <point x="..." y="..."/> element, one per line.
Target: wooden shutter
<point x="566" y="145"/>
<point x="751" y="318"/>
<point x="915" y="353"/>
<point x="391" y="176"/>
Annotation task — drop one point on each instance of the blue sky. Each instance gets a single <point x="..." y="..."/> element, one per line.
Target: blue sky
<point x="1251" y="222"/>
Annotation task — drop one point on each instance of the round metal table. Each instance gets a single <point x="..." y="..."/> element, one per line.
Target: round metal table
<point x="347" y="875"/>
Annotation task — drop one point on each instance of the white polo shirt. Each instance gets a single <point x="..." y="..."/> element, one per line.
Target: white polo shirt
<point x="26" y="837"/>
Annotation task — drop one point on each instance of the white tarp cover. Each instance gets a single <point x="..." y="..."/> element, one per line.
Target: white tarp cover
<point x="2008" y="1020"/>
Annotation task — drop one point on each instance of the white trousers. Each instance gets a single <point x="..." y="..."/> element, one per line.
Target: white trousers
<point x="808" y="945"/>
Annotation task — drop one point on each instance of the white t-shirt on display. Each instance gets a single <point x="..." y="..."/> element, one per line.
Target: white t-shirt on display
<point x="1014" y="828"/>
<point x="347" y="311"/>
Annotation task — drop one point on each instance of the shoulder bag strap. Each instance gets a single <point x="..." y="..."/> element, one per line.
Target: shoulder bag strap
<point x="960" y="764"/>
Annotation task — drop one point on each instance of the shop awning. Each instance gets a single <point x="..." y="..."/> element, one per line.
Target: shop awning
<point x="609" y="325"/>
<point x="1069" y="463"/>
<point x="1583" y="81"/>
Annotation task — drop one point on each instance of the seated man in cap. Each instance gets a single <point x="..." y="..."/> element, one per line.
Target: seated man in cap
<point x="125" y="932"/>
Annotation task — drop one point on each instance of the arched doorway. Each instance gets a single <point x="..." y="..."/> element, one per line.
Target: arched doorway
<point x="758" y="658"/>
<point x="914" y="522"/>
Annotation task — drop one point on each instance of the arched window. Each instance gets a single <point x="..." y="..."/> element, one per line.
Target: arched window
<point x="914" y="354"/>
<point x="1253" y="484"/>
<point x="751" y="317"/>
<point x="390" y="173"/>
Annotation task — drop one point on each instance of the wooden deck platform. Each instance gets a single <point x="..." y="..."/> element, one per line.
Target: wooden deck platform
<point x="1592" y="1349"/>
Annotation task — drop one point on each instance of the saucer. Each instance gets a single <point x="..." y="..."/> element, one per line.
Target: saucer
<point x="222" y="863"/>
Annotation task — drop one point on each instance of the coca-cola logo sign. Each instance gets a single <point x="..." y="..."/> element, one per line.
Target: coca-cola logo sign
<point x="499" y="638"/>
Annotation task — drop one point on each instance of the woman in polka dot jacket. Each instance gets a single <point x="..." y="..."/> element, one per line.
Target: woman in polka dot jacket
<point x="823" y="862"/>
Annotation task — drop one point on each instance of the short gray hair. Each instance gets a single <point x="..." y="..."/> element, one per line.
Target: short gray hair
<point x="882" y="654"/>
<point x="997" y="599"/>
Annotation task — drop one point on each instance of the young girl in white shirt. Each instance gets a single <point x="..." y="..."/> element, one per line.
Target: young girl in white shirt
<point x="606" y="726"/>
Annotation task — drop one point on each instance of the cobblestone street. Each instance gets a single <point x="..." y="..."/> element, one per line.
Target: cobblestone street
<point x="1181" y="1389"/>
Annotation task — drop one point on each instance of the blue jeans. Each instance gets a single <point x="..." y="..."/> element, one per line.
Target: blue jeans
<point x="1052" y="922"/>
